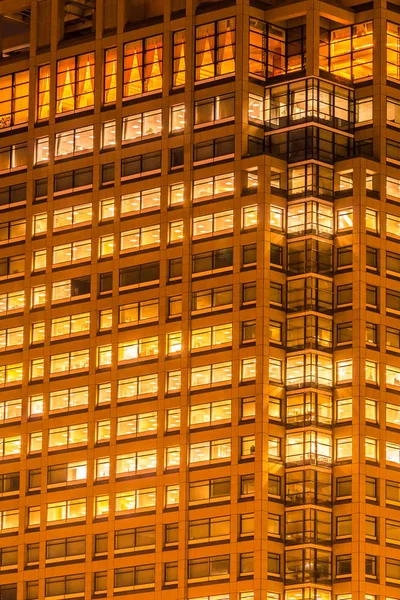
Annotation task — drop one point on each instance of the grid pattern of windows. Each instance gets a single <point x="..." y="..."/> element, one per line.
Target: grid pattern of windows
<point x="193" y="252"/>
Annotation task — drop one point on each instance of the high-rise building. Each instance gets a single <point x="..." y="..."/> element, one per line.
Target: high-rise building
<point x="200" y="299"/>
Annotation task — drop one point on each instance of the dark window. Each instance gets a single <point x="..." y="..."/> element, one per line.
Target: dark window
<point x="370" y="566"/>
<point x="343" y="486"/>
<point x="371" y="333"/>
<point x="393" y="262"/>
<point x="106" y="282"/>
<point x="274" y="486"/>
<point x="276" y="293"/>
<point x="344" y="333"/>
<point x="218" y="259"/>
<point x="73" y="179"/>
<point x="249" y="254"/>
<point x="248" y="331"/>
<point x="80" y="286"/>
<point x="139" y="274"/>
<point x="41" y="188"/>
<point x="176" y="157"/>
<point x="345" y="256"/>
<point x="9" y="482"/>
<point x="372" y="258"/>
<point x="14" y="194"/>
<point x="107" y="172"/>
<point x="8" y="591"/>
<point x="174" y="268"/>
<point x="371" y="488"/>
<point x="372" y="295"/>
<point x="215" y="148"/>
<point x="393" y="299"/>
<point x="344" y="294"/>
<point x="343" y="565"/>
<point x="249" y="292"/>
<point x="144" y="163"/>
<point x="214" y="109"/>
<point x="276" y="255"/>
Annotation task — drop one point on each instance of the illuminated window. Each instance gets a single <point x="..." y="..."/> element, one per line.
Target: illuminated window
<point x="42" y="150"/>
<point x="10" y="447"/>
<point x="215" y="49"/>
<point x="214" y="187"/>
<point x="144" y="460"/>
<point x="176" y="194"/>
<point x="137" y="127"/>
<point x="371" y="372"/>
<point x="210" y="375"/>
<point x="106" y="246"/>
<point x="9" y="519"/>
<point x="205" y="452"/>
<point x="108" y="134"/>
<point x="12" y="302"/>
<point x="371" y="221"/>
<point x="72" y="252"/>
<point x="344" y="409"/>
<point x="104" y="356"/>
<point x="38" y="295"/>
<point x="393" y="188"/>
<point x="11" y="374"/>
<point x="349" y="52"/>
<point x="212" y="337"/>
<point x="393" y="452"/>
<point x="344" y="371"/>
<point x="308" y="447"/>
<point x="174" y="382"/>
<point x="256" y="108"/>
<point x="39" y="260"/>
<point x="212" y="412"/>
<point x="74" y="142"/>
<point x="131" y="314"/>
<point x="43" y="99"/>
<point x="344" y="449"/>
<point x="107" y="209"/>
<point x="213" y="225"/>
<point x="10" y="338"/>
<point x="174" y="343"/>
<point x="66" y="510"/>
<point x="71" y="435"/>
<point x="393" y="376"/>
<point x="344" y="219"/>
<point x="75" y="83"/>
<point x="141" y="499"/>
<point x="248" y="369"/>
<point x="179" y="58"/>
<point x="249" y="217"/>
<point x="393" y="51"/>
<point x="393" y="111"/>
<point x="67" y="473"/>
<point x="70" y="361"/>
<point x="175" y="233"/>
<point x="364" y="110"/>
<point x="177" y="123"/>
<point x="71" y="399"/>
<point x="143" y="66"/>
<point x="136" y="239"/>
<point x="110" y="76"/>
<point x="14" y="99"/>
<point x="137" y="425"/>
<point x="309" y="369"/>
<point x="146" y="201"/>
<point x="392" y="415"/>
<point x="10" y="410"/>
<point x="173" y="419"/>
<point x="142" y="348"/>
<point x="371" y="449"/>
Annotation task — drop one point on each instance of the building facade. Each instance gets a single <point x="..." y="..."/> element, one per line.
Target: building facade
<point x="200" y="299"/>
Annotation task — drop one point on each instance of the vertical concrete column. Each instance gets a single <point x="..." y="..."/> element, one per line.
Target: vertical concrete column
<point x="312" y="38"/>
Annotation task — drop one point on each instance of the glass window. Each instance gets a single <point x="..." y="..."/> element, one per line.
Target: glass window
<point x="110" y="76"/>
<point x="43" y="97"/>
<point x="75" y="83"/>
<point x="14" y="99"/>
<point x="137" y="127"/>
<point x="143" y="63"/>
<point x="215" y="49"/>
<point x="179" y="58"/>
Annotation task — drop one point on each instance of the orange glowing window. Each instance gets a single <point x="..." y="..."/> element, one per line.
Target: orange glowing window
<point x="179" y="66"/>
<point x="348" y="51"/>
<point x="75" y="83"/>
<point x="215" y="49"/>
<point x="43" y="107"/>
<point x="110" y="76"/>
<point x="14" y="99"/>
<point x="393" y="51"/>
<point x="143" y="66"/>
